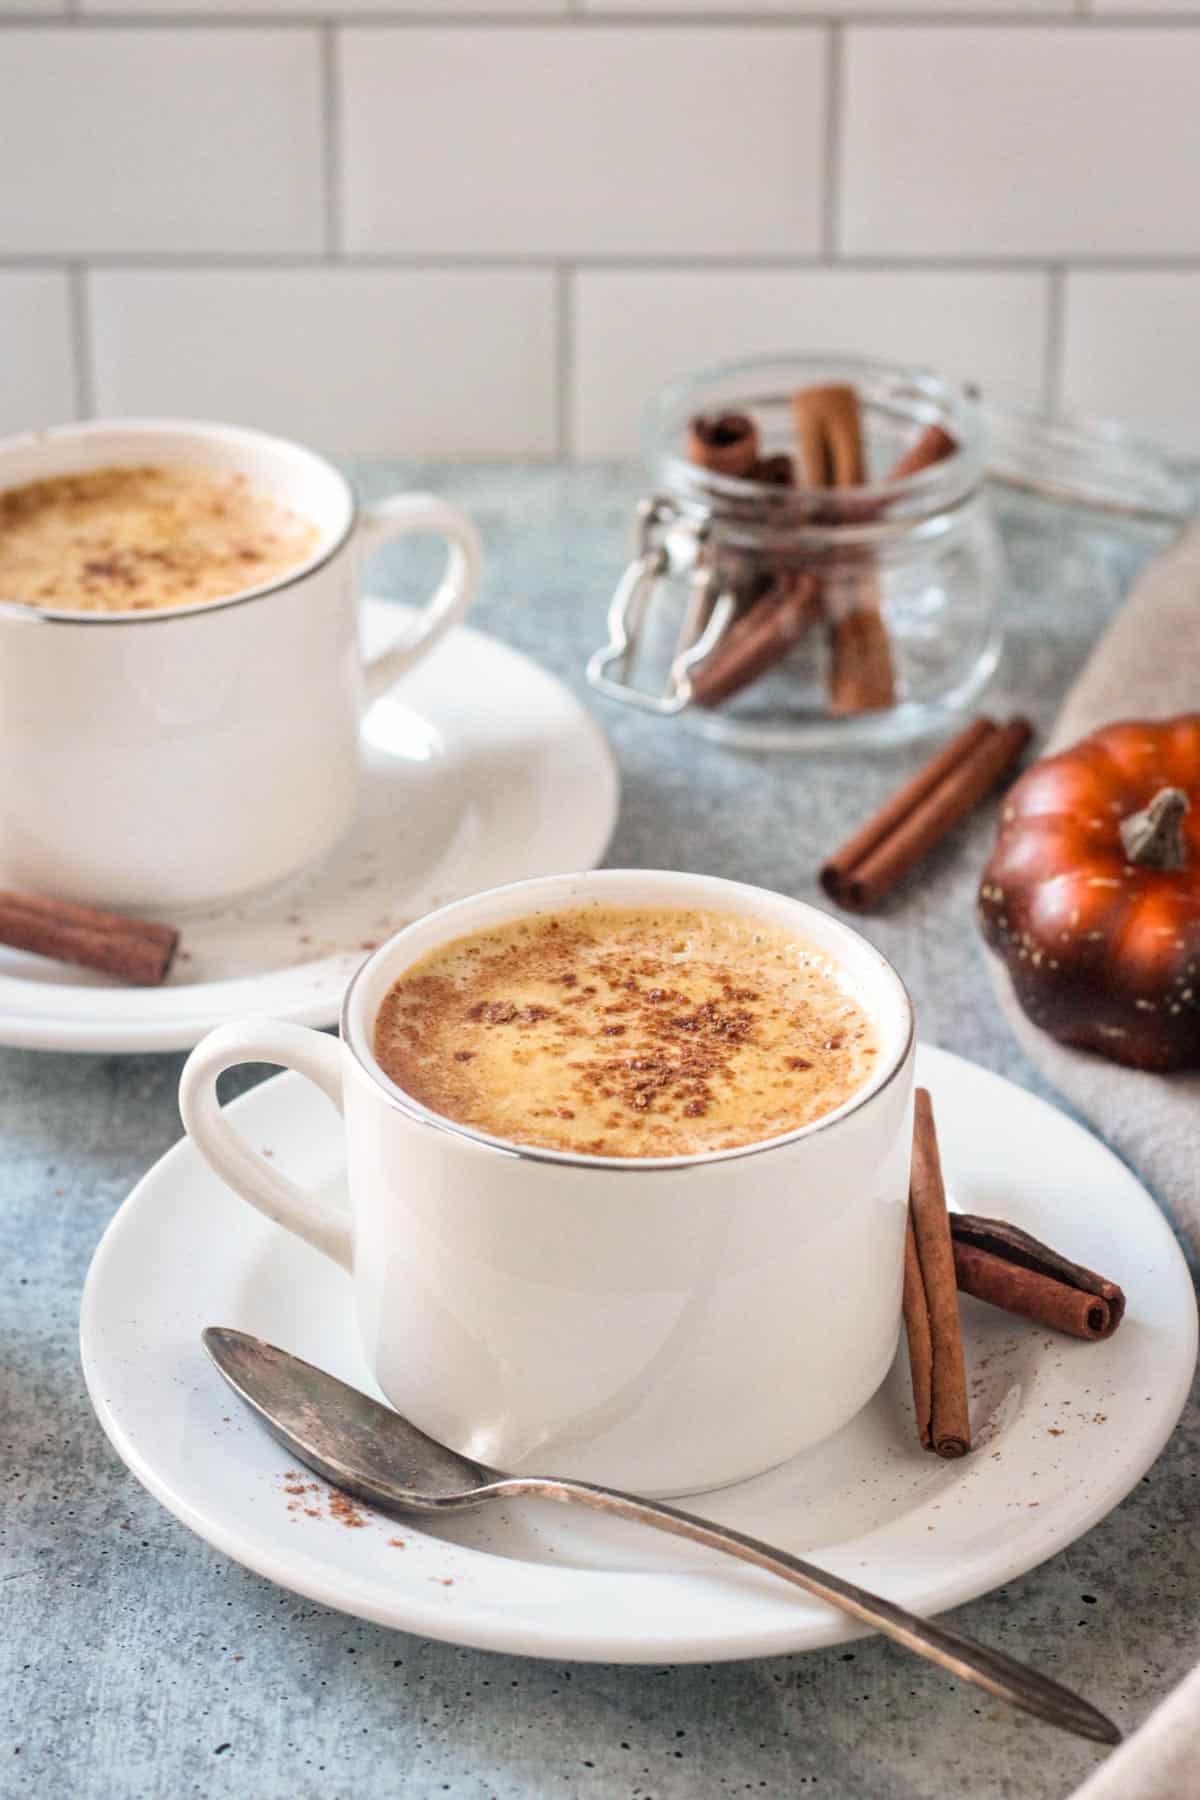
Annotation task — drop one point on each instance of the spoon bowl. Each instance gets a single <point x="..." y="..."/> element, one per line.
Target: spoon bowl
<point x="357" y="1444"/>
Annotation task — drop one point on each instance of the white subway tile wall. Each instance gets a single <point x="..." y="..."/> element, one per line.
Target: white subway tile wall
<point x="37" y="361"/>
<point x="178" y="140"/>
<point x="437" y="362"/>
<point x="492" y="227"/>
<point x="1132" y="348"/>
<point x="633" y="328"/>
<point x="995" y="142"/>
<point x="570" y="143"/>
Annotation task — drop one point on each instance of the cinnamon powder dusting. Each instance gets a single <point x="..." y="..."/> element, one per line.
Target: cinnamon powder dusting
<point x="307" y="1496"/>
<point x="616" y="1031"/>
<point x="141" y="538"/>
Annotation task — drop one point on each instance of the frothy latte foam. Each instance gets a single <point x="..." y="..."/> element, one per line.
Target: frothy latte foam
<point x="627" y="1032"/>
<point x="143" y="539"/>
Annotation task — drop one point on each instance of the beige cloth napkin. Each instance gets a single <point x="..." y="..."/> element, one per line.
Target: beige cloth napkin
<point x="1146" y="666"/>
<point x="1159" y="1762"/>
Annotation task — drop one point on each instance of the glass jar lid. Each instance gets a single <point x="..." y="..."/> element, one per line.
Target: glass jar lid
<point x="1091" y="463"/>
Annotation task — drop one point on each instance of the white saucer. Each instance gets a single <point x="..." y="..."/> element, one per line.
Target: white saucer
<point x="1063" y="1429"/>
<point x="480" y="769"/>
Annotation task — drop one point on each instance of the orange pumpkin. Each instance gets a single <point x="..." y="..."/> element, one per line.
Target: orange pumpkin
<point x="1092" y="893"/>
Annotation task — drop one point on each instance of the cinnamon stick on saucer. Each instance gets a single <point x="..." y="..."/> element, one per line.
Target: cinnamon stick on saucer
<point x="926" y="808"/>
<point x="939" y="1376"/>
<point x="134" y="951"/>
<point x="1008" y="1267"/>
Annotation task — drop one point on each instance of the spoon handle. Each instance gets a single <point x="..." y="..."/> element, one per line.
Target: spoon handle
<point x="989" y="1669"/>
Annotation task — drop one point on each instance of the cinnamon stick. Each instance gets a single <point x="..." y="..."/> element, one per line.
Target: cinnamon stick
<point x="931" y="1299"/>
<point x="933" y="446"/>
<point x="1008" y="1267"/>
<point x="828" y="422"/>
<point x="832" y="454"/>
<point x="774" y="624"/>
<point x="134" y="951"/>
<point x="862" y="676"/>
<point x="871" y="863"/>
<point x="726" y="443"/>
<point x="775" y="471"/>
<point x="829" y="437"/>
<point x="837" y="870"/>
<point x="920" y="1339"/>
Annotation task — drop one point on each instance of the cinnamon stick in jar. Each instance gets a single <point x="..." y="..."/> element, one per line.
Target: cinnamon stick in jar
<point x="775" y="471"/>
<point x="828" y="422"/>
<point x="933" y="446"/>
<point x="829" y="438"/>
<point x="726" y="443"/>
<point x="760" y="638"/>
<point x="862" y="675"/>
<point x="774" y="623"/>
<point x="939" y="1375"/>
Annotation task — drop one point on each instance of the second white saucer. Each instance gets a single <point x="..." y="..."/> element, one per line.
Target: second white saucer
<point x="480" y="768"/>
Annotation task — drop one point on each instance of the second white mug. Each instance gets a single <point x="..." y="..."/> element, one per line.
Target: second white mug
<point x="164" y="760"/>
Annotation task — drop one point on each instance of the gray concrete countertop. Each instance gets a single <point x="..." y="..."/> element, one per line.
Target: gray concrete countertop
<point x="138" y="1664"/>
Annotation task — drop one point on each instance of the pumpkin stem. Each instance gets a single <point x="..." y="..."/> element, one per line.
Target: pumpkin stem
<point x="1153" y="838"/>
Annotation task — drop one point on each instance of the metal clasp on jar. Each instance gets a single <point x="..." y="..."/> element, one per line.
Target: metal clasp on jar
<point x="710" y="610"/>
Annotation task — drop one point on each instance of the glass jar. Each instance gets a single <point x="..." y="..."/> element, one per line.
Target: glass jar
<point x="908" y="571"/>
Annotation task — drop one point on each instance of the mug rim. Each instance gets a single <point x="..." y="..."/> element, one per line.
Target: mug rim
<point x="402" y="1102"/>
<point x="193" y="428"/>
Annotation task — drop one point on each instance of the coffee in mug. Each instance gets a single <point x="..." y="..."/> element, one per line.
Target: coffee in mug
<point x="627" y="1031"/>
<point x="145" y="537"/>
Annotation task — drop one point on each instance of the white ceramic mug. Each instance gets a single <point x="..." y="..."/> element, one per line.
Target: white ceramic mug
<point x="163" y="760"/>
<point x="667" y="1325"/>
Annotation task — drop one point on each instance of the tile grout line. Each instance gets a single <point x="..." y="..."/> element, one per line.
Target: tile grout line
<point x="79" y="303"/>
<point x="832" y="193"/>
<point x="1056" y="309"/>
<point x="564" y="365"/>
<point x="633" y="262"/>
<point x="331" y="114"/>
<point x="1072" y="15"/>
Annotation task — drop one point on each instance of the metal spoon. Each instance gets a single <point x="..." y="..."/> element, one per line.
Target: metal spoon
<point x="375" y="1454"/>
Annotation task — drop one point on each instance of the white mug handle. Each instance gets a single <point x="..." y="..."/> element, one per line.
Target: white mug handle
<point x="399" y="516"/>
<point x="228" y="1154"/>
